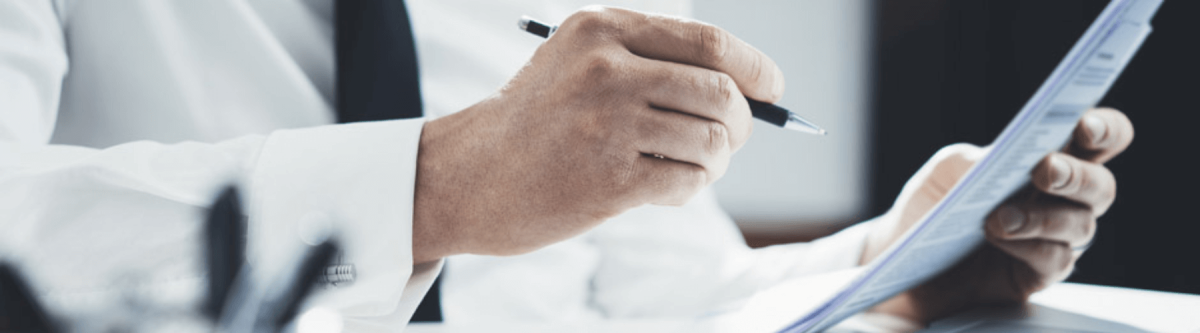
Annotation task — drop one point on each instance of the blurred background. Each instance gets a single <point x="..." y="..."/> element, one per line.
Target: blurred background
<point x="893" y="81"/>
<point x="791" y="184"/>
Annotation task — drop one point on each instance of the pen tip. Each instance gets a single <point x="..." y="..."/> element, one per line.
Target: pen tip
<point x="822" y="132"/>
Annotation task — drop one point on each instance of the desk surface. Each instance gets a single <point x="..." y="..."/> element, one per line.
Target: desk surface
<point x="1149" y="310"/>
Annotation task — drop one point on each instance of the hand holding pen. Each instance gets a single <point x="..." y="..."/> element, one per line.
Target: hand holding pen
<point x="618" y="109"/>
<point x="767" y="112"/>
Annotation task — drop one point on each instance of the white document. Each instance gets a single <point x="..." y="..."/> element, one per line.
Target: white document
<point x="954" y="228"/>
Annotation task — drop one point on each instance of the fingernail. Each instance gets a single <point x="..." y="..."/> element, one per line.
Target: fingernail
<point x="1096" y="128"/>
<point x="1060" y="170"/>
<point x="1011" y="218"/>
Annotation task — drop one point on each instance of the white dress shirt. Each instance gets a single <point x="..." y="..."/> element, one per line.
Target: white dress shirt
<point x="121" y="119"/>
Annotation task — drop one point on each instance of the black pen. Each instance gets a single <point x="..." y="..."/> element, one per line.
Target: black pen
<point x="763" y="111"/>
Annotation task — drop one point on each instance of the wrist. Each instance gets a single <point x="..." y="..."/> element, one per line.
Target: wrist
<point x="435" y="234"/>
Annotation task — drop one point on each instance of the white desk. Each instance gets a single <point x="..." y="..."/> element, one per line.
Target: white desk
<point x="1150" y="310"/>
<point x="1113" y="309"/>
<point x="1141" y="309"/>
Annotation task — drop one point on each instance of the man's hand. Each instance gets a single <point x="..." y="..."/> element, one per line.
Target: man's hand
<point x="1034" y="238"/>
<point x="617" y="109"/>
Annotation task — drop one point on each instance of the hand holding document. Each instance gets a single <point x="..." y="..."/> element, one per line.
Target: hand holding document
<point x="954" y="227"/>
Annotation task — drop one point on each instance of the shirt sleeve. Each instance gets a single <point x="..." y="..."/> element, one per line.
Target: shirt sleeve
<point x="136" y="209"/>
<point x="104" y="232"/>
<point x="361" y="178"/>
<point x="690" y="261"/>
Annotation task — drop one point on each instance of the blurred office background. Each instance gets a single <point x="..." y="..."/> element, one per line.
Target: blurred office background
<point x="794" y="184"/>
<point x="894" y="81"/>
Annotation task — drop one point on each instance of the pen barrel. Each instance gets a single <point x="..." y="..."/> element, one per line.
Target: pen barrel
<point x="768" y="112"/>
<point x="536" y="27"/>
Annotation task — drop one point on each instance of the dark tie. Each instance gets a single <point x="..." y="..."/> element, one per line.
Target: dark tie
<point x="377" y="80"/>
<point x="377" y="75"/>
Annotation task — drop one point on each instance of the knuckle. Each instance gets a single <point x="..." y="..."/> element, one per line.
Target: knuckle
<point x="624" y="172"/>
<point x="599" y="68"/>
<point x="713" y="44"/>
<point x="717" y="138"/>
<point x="589" y="20"/>
<point x="725" y="90"/>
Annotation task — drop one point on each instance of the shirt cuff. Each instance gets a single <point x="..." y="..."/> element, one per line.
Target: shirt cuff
<point x="418" y="285"/>
<point x="358" y="179"/>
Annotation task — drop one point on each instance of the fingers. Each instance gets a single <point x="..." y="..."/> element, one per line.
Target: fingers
<point x="701" y="93"/>
<point x="684" y="41"/>
<point x="1044" y="230"/>
<point x="1053" y="261"/>
<point x="693" y="115"/>
<point x="1084" y="182"/>
<point x="685" y="138"/>
<point x="666" y="182"/>
<point x="676" y="85"/>
<point x="1101" y="135"/>
<point x="1060" y="221"/>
